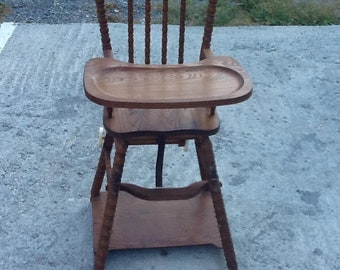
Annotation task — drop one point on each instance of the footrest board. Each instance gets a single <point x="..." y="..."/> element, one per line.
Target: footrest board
<point x="153" y="224"/>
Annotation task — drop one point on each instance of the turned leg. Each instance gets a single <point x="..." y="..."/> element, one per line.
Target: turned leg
<point x="101" y="168"/>
<point x="200" y="157"/>
<point x="114" y="180"/>
<point x="208" y="171"/>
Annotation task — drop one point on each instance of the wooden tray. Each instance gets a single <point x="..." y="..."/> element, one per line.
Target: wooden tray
<point x="117" y="84"/>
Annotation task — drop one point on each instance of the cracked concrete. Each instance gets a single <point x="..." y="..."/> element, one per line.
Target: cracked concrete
<point x="277" y="153"/>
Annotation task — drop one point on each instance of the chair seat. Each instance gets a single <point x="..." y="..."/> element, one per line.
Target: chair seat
<point x="176" y="124"/>
<point x="208" y="83"/>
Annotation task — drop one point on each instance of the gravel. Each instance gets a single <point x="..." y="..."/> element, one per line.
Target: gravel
<point x="65" y="11"/>
<point x="75" y="11"/>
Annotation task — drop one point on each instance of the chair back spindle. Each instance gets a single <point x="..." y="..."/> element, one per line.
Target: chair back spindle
<point x="181" y="32"/>
<point x="147" y="30"/>
<point x="130" y="31"/>
<point x="104" y="29"/>
<point x="165" y="31"/>
<point x="209" y="24"/>
<point x="105" y="38"/>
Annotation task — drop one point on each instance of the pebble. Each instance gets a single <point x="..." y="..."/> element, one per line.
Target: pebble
<point x="64" y="11"/>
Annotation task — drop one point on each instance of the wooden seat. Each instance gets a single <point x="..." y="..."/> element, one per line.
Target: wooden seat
<point x="160" y="104"/>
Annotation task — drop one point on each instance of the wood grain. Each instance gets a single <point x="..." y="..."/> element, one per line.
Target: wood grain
<point x="185" y="123"/>
<point x="148" y="224"/>
<point x="210" y="82"/>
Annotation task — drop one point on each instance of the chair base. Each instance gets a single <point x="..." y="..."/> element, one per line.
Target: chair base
<point x="154" y="224"/>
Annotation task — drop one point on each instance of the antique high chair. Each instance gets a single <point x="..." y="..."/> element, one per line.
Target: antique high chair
<point x="160" y="104"/>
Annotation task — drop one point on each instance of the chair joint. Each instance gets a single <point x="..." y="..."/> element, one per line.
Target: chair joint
<point x="213" y="173"/>
<point x="117" y="176"/>
<point x="215" y="184"/>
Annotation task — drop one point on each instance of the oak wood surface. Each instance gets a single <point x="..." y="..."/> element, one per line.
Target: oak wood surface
<point x="158" y="122"/>
<point x="165" y="194"/>
<point x="211" y="82"/>
<point x="148" y="224"/>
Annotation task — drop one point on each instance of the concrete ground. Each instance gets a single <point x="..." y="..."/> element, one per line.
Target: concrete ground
<point x="277" y="153"/>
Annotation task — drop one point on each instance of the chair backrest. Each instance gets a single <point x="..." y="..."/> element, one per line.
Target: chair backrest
<point x="105" y="37"/>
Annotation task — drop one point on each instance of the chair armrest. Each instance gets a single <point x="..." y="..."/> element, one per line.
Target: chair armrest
<point x="208" y="83"/>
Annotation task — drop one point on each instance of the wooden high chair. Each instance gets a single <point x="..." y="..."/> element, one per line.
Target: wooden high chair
<point x="160" y="104"/>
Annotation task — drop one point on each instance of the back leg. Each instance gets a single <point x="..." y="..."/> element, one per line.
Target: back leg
<point x="208" y="171"/>
<point x="101" y="168"/>
<point x="222" y="221"/>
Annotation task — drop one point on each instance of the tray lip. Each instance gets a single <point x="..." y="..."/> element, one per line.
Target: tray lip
<point x="225" y="63"/>
<point x="128" y="66"/>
